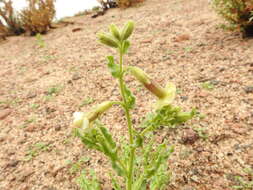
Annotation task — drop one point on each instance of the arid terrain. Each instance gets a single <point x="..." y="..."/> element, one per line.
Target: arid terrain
<point x="43" y="83"/>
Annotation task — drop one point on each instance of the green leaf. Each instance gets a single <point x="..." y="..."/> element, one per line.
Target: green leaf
<point x="115" y="184"/>
<point x="152" y="167"/>
<point x="129" y="98"/>
<point x="161" y="179"/>
<point x="89" y="143"/>
<point x="207" y="85"/>
<point x="161" y="175"/>
<point x="88" y="182"/>
<point x="114" y="68"/>
<point x="104" y="145"/>
<point x="88" y="138"/>
<point x="141" y="183"/>
<point x="138" y="141"/>
<point x="108" y="137"/>
<point x="167" y="116"/>
<point x="118" y="169"/>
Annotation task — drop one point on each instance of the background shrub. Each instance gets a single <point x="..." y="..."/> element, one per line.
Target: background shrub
<point x="127" y="3"/>
<point x="13" y="24"/>
<point x="3" y="31"/>
<point x="124" y="3"/>
<point x="3" y="28"/>
<point x="237" y="12"/>
<point x="38" y="16"/>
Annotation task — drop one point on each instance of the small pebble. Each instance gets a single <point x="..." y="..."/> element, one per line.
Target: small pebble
<point x="248" y="89"/>
<point x="4" y="113"/>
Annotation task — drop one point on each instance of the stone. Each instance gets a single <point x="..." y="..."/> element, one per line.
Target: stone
<point x="25" y="174"/>
<point x="189" y="137"/>
<point x="31" y="128"/>
<point x="181" y="38"/>
<point x="49" y="188"/>
<point x="31" y="95"/>
<point x="76" y="76"/>
<point x="12" y="163"/>
<point x="149" y="40"/>
<point x="5" y="113"/>
<point x="57" y="128"/>
<point x="248" y="89"/>
<point x="202" y="94"/>
<point x="2" y="138"/>
<point x="184" y="98"/>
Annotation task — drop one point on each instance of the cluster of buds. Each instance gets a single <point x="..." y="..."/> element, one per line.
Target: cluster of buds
<point x="117" y="38"/>
<point x="165" y="95"/>
<point x="84" y="120"/>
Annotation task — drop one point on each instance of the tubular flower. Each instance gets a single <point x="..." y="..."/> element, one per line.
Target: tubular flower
<point x="84" y="120"/>
<point x="165" y="95"/>
<point x="78" y="119"/>
<point x="170" y="93"/>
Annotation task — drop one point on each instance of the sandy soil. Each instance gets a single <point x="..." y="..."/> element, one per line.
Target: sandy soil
<point x="176" y="40"/>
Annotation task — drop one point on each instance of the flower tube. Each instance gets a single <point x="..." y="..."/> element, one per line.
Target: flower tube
<point x="165" y="95"/>
<point x="84" y="120"/>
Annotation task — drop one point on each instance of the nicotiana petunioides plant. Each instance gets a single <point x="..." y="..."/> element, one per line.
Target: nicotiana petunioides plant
<point x="139" y="162"/>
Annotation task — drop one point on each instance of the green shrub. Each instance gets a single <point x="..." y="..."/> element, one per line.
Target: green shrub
<point x="238" y="13"/>
<point x="38" y="16"/>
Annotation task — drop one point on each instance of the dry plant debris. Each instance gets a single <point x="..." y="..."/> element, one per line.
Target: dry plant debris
<point x="38" y="16"/>
<point x="11" y="19"/>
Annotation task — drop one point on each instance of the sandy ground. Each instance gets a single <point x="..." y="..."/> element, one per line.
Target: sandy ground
<point x="178" y="41"/>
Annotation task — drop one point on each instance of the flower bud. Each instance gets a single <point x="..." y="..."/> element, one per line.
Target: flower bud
<point x="84" y="120"/>
<point x="166" y="95"/>
<point x="139" y="74"/>
<point x="108" y="40"/>
<point x="184" y="116"/>
<point x="127" y="30"/>
<point x="115" y="32"/>
<point x="98" y="110"/>
<point x="144" y="79"/>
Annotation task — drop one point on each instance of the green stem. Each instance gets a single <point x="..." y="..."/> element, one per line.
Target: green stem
<point x="118" y="103"/>
<point x="130" y="127"/>
<point x="145" y="131"/>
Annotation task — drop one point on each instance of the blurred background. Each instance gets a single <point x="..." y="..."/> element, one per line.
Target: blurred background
<point x="63" y="8"/>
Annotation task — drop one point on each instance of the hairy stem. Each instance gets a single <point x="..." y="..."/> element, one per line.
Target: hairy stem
<point x="130" y="127"/>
